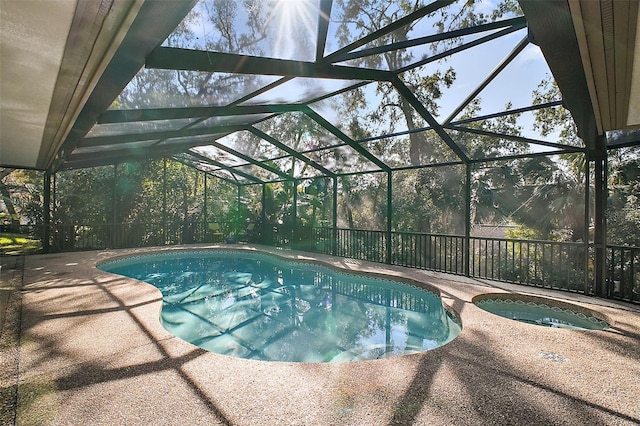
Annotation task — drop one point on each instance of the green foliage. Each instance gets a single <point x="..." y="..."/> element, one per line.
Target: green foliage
<point x="623" y="214"/>
<point x="162" y="196"/>
<point x="315" y="198"/>
<point x="362" y="201"/>
<point x="84" y="196"/>
<point x="538" y="192"/>
<point x="554" y="120"/>
<point x="21" y="192"/>
<point x="522" y="232"/>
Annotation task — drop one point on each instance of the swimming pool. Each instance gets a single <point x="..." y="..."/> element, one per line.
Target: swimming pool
<point x="260" y="306"/>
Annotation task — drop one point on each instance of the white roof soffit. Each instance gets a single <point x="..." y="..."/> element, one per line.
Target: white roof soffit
<point x="610" y="50"/>
<point x="63" y="63"/>
<point x="32" y="42"/>
<point x="633" y="117"/>
<point x="53" y="53"/>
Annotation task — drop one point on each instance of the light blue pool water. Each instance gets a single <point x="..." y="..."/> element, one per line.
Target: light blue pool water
<point x="257" y="306"/>
<point x="540" y="311"/>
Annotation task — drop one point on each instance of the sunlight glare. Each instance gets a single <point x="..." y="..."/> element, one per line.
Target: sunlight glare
<point x="297" y="26"/>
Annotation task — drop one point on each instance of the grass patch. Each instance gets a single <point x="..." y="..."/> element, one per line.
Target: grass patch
<point x="36" y="402"/>
<point x="18" y="244"/>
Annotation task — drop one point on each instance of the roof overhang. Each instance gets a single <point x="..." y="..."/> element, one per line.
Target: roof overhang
<point x="610" y="50"/>
<point x="33" y="38"/>
<point x="593" y="50"/>
<point x="63" y="62"/>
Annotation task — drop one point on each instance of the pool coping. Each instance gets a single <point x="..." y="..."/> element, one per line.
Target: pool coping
<point x="89" y="371"/>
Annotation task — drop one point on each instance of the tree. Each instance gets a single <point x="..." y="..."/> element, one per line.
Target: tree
<point x="209" y="26"/>
<point x="21" y="201"/>
<point x="360" y="18"/>
<point x="432" y="198"/>
<point x="623" y="214"/>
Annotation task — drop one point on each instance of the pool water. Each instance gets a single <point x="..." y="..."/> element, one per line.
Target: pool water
<point x="256" y="306"/>
<point x="539" y="311"/>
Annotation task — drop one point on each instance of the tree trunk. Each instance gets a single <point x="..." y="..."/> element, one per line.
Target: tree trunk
<point x="6" y="196"/>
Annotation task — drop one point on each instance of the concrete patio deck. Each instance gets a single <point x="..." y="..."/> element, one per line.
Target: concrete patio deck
<point x="89" y="350"/>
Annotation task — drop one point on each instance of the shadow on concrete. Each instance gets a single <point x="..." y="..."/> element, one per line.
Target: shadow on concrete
<point x="91" y="373"/>
<point x="498" y="392"/>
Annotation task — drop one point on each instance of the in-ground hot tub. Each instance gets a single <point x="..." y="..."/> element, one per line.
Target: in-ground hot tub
<point x="265" y="307"/>
<point x="541" y="311"/>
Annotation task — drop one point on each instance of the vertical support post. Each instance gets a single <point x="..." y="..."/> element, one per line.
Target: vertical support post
<point x="164" y="201"/>
<point x="205" y="219"/>
<point x="467" y="220"/>
<point x="46" y="213"/>
<point x="115" y="207"/>
<point x="294" y="214"/>
<point x="236" y="225"/>
<point x="599" y="237"/>
<point x="54" y="203"/>
<point x="294" y="207"/>
<point x="263" y="216"/>
<point x="587" y="218"/>
<point x="388" y="252"/>
<point x="334" y="245"/>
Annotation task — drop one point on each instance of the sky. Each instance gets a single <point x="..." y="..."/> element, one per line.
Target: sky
<point x="290" y="33"/>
